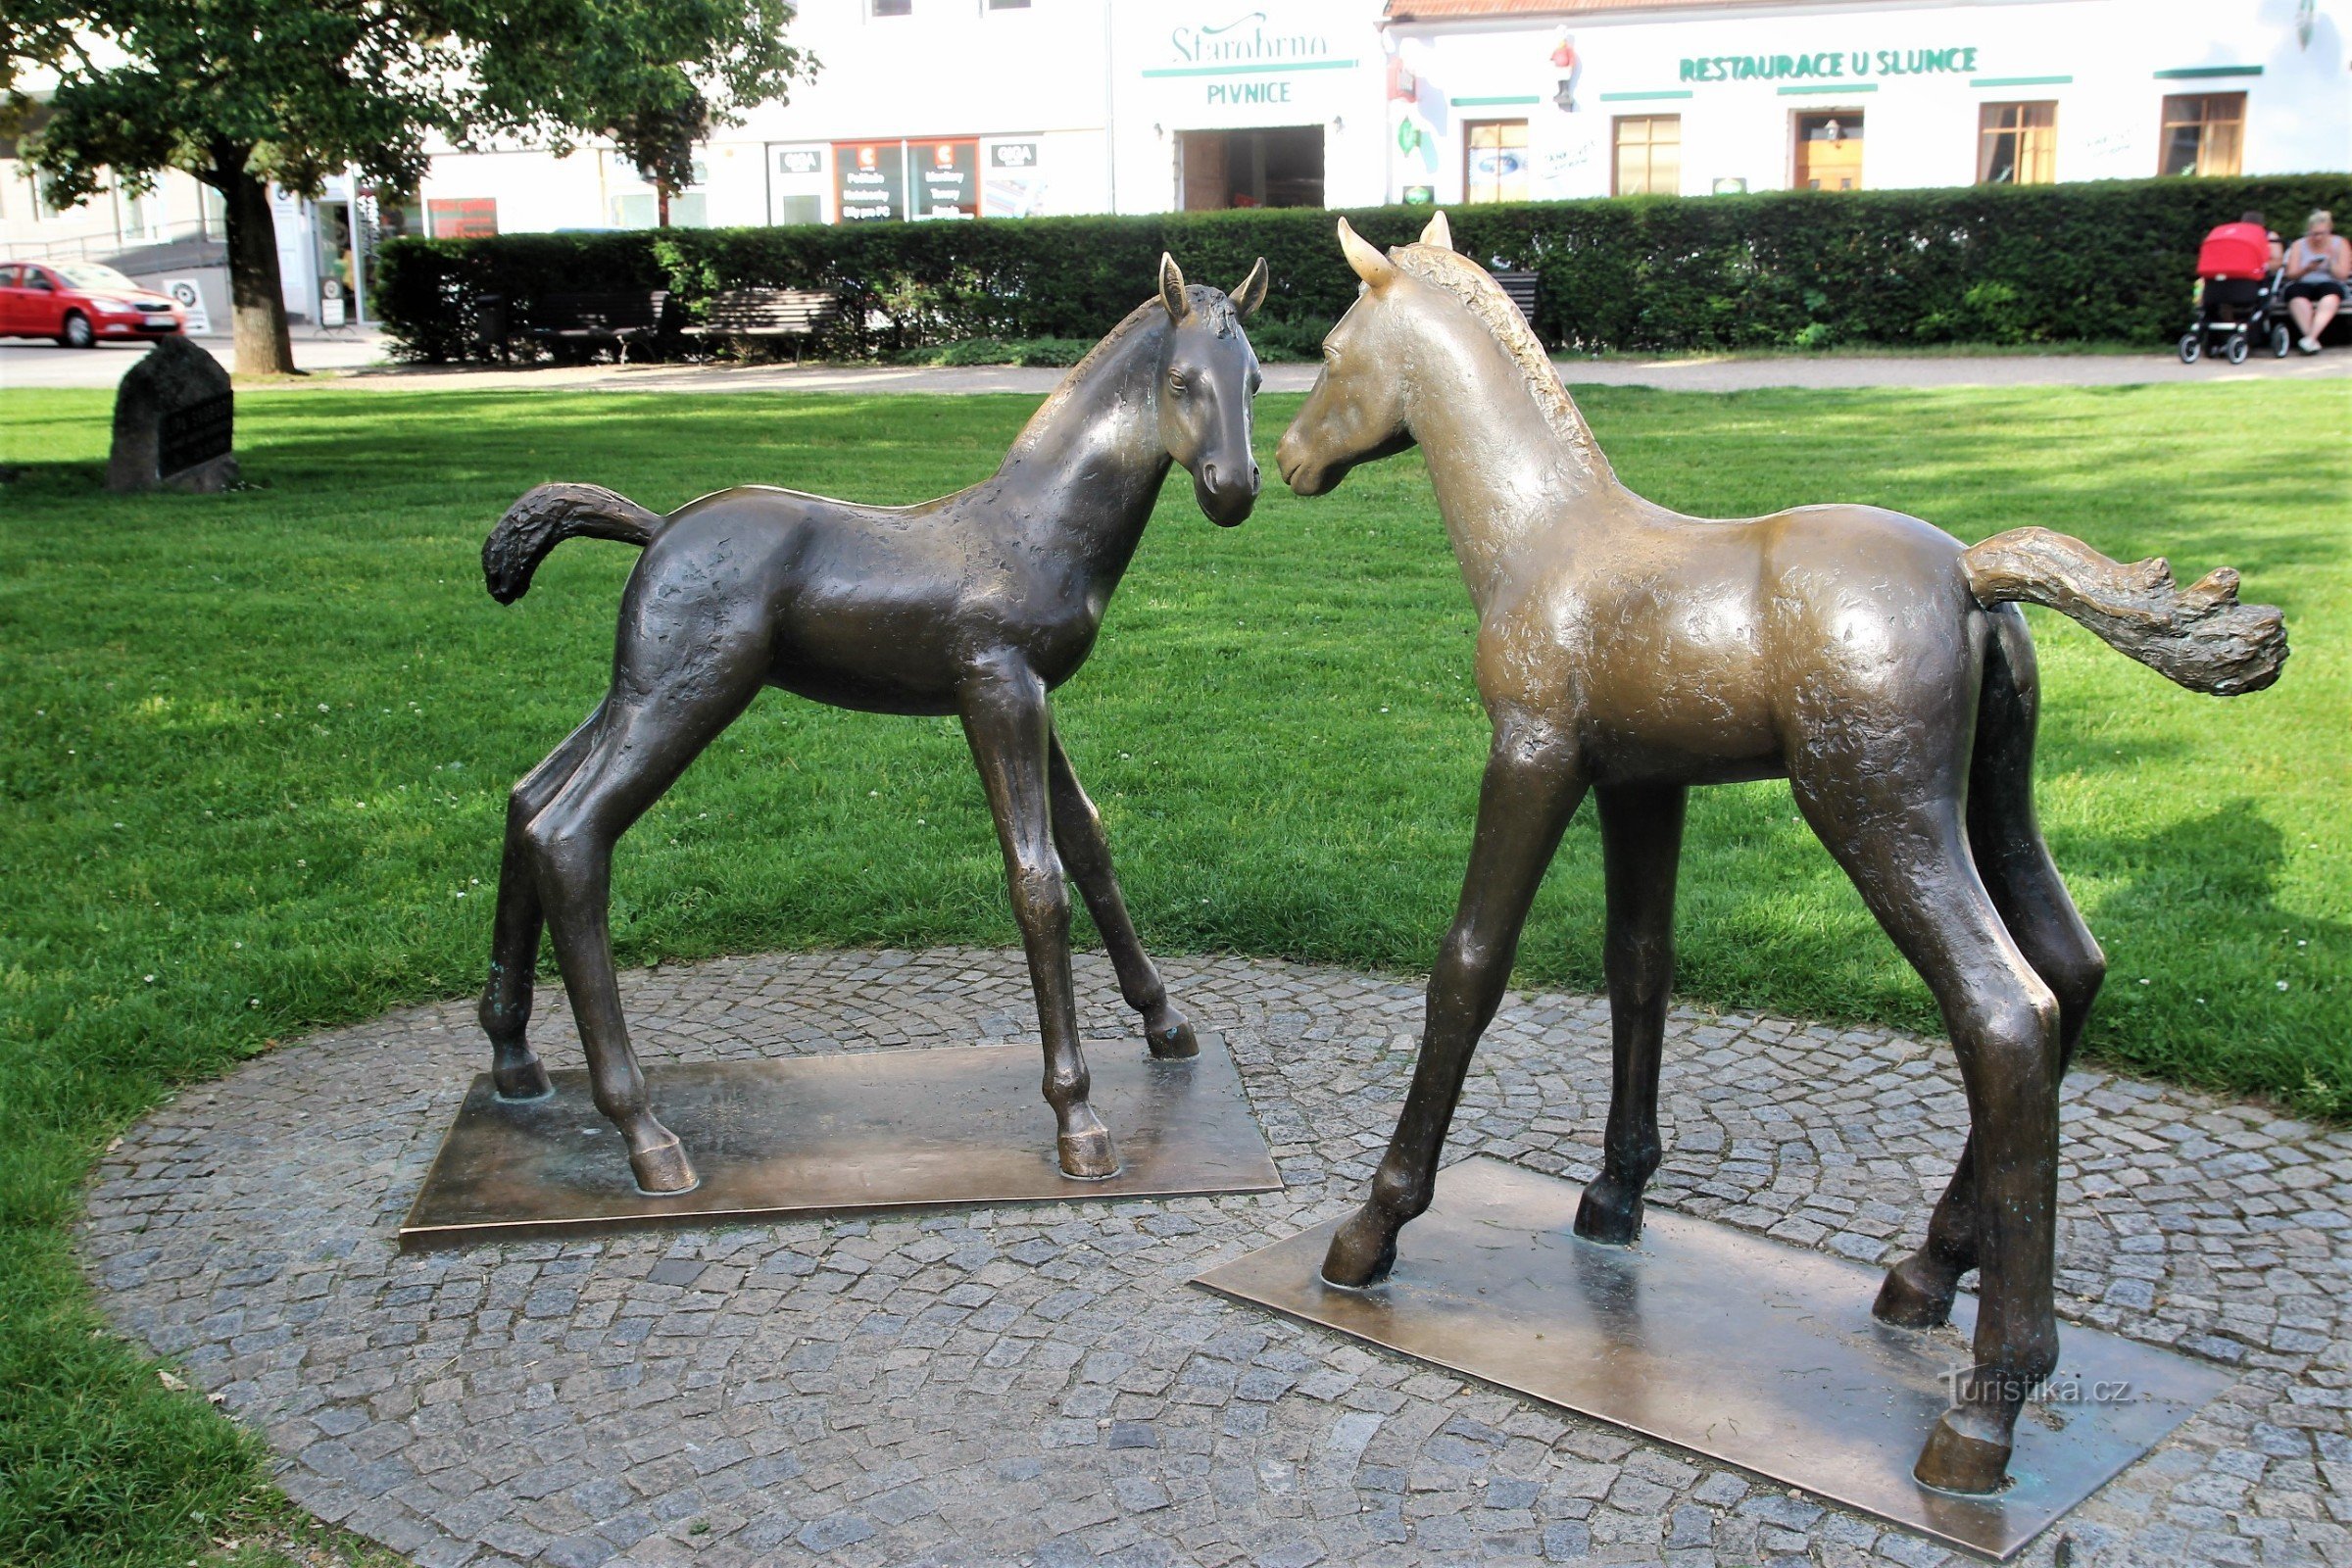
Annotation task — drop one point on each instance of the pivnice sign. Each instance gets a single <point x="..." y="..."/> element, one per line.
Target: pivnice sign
<point x="1833" y="65"/>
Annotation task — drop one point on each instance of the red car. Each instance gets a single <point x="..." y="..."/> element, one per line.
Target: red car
<point x="82" y="304"/>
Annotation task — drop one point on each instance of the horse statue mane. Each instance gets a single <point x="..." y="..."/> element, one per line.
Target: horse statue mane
<point x="1483" y="298"/>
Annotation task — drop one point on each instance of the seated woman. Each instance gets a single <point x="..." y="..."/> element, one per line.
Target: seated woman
<point x="2317" y="267"/>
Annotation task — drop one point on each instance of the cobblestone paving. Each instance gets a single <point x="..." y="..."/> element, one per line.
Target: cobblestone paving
<point x="1040" y="1386"/>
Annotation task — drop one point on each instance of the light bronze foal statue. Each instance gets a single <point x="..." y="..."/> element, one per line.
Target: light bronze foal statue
<point x="1869" y="658"/>
<point x="977" y="605"/>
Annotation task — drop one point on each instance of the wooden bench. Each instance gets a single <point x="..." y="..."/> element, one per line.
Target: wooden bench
<point x="1521" y="287"/>
<point x="798" y="313"/>
<point x="619" y="318"/>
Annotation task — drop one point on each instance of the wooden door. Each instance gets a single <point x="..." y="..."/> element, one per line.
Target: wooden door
<point x="1829" y="151"/>
<point x="1206" y="179"/>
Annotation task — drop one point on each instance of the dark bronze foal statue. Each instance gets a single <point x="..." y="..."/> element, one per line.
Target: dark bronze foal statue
<point x="1869" y="658"/>
<point x="977" y="605"/>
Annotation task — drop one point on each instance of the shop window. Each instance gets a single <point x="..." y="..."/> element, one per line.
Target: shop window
<point x="2017" y="144"/>
<point x="1649" y="155"/>
<point x="688" y="209"/>
<point x="462" y="217"/>
<point x="1495" y="160"/>
<point x="893" y="8"/>
<point x="2203" y="133"/>
<point x="1008" y="5"/>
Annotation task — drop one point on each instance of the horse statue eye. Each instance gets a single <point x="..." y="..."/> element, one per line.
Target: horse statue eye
<point x="1177" y="383"/>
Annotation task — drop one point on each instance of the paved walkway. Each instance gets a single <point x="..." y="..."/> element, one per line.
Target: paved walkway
<point x="354" y="360"/>
<point x="43" y="365"/>
<point x="1040" y="1386"/>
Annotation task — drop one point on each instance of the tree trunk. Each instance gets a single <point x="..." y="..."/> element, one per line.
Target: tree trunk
<point x="256" y="293"/>
<point x="662" y="206"/>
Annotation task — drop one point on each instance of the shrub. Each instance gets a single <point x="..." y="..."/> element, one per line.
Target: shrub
<point x="2103" y="260"/>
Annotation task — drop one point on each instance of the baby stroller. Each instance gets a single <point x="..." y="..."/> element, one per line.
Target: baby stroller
<point x="2237" y="298"/>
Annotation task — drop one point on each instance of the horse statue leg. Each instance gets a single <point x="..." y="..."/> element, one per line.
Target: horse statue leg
<point x="1640" y="845"/>
<point x="2006" y="844"/>
<point x="682" y="674"/>
<point x="1532" y="787"/>
<point x="505" y="1009"/>
<point x="1904" y="842"/>
<point x="1086" y="854"/>
<point x="1010" y="729"/>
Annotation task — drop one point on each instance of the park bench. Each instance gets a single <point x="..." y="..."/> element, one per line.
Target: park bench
<point x="1521" y="287"/>
<point x="621" y="318"/>
<point x="797" y="313"/>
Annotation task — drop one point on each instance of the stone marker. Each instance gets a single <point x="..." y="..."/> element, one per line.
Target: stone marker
<point x="173" y="420"/>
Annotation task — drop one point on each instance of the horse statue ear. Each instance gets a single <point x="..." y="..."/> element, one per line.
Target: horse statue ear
<point x="1253" y="292"/>
<point x="1438" y="234"/>
<point x="1376" y="269"/>
<point x="1171" y="288"/>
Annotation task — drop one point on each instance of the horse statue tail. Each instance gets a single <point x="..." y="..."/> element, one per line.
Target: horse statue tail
<point x="549" y="515"/>
<point x="2199" y="636"/>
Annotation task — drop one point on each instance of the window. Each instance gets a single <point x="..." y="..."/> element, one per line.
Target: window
<point x="2017" y="144"/>
<point x="2203" y="133"/>
<point x="1828" y="150"/>
<point x="1649" y="155"/>
<point x="462" y="217"/>
<point x="1008" y="5"/>
<point x="894" y="8"/>
<point x="1495" y="160"/>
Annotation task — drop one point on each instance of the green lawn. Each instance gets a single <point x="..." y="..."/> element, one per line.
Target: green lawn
<point x="254" y="751"/>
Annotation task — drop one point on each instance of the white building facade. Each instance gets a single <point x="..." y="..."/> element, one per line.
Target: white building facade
<point x="941" y="108"/>
<point x="987" y="110"/>
<point x="1510" y="101"/>
<point x="944" y="108"/>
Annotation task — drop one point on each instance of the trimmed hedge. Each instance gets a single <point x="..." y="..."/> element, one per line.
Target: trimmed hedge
<point x="2104" y="260"/>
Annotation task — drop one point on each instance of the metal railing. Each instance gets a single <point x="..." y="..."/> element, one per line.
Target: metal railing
<point x="102" y="244"/>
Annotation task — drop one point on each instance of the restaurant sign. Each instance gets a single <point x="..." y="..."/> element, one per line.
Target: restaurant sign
<point x="1251" y="59"/>
<point x="1832" y="64"/>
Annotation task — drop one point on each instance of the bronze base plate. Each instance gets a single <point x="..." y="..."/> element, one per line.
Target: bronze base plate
<point x="1732" y="1346"/>
<point x="837" y="1135"/>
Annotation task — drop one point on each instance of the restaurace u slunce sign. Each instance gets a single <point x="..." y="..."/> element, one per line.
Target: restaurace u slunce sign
<point x="1834" y="65"/>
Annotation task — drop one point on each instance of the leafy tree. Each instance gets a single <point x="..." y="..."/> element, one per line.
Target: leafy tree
<point x="244" y="94"/>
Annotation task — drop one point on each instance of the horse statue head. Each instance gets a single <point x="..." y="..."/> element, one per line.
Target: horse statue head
<point x="1207" y="376"/>
<point x="1425" y="314"/>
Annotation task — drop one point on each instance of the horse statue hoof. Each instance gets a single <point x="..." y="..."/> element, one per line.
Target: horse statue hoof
<point x="1362" y="1252"/>
<point x="1908" y="1305"/>
<point x="1089" y="1156"/>
<point x="1954" y="1462"/>
<point x="1170" y="1036"/>
<point x="527" y="1081"/>
<point x="663" y="1170"/>
<point x="1609" y="1214"/>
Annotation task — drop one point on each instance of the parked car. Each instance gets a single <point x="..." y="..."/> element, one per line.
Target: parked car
<point x="82" y="304"/>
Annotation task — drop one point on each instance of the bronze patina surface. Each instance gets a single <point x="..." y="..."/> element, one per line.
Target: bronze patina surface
<point x="1729" y="1344"/>
<point x="975" y="605"/>
<point x="831" y="1135"/>
<point x="1629" y="651"/>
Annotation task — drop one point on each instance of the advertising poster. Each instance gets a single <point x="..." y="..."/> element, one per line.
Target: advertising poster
<point x="947" y="178"/>
<point x="872" y="180"/>
<point x="191" y="300"/>
<point x="1014" y="186"/>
